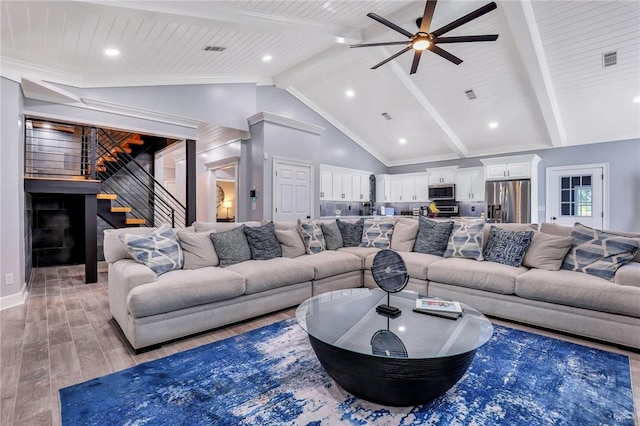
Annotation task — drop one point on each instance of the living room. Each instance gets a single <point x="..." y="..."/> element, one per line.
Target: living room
<point x="298" y="108"/>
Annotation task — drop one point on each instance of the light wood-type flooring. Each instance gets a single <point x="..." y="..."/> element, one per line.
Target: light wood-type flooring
<point x="63" y="335"/>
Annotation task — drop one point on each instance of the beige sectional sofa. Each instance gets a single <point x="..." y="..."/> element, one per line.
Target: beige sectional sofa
<point x="151" y="310"/>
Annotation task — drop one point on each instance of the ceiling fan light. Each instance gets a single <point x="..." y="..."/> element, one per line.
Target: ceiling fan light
<point x="420" y="43"/>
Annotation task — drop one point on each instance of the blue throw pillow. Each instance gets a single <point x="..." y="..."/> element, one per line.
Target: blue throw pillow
<point x="231" y="246"/>
<point x="433" y="236"/>
<point x="351" y="232"/>
<point x="507" y="247"/>
<point x="263" y="243"/>
<point x="159" y="249"/>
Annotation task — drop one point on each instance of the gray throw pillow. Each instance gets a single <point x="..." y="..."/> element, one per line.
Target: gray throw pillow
<point x="433" y="236"/>
<point x="231" y="246"/>
<point x="598" y="253"/>
<point x="507" y="247"/>
<point x="547" y="251"/>
<point x="351" y="232"/>
<point x="332" y="236"/>
<point x="263" y="243"/>
<point x="198" y="250"/>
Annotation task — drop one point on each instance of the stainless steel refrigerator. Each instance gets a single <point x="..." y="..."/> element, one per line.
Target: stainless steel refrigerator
<point x="508" y="201"/>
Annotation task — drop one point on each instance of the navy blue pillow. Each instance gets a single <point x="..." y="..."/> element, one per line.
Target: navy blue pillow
<point x="263" y="243"/>
<point x="432" y="236"/>
<point x="507" y="247"/>
<point x="351" y="232"/>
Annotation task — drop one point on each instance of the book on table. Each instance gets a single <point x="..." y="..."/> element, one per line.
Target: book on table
<point x="438" y="305"/>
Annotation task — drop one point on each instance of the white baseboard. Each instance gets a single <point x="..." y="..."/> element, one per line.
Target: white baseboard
<point x="15" y="299"/>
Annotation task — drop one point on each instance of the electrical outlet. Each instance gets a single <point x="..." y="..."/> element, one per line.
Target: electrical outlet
<point x="8" y="279"/>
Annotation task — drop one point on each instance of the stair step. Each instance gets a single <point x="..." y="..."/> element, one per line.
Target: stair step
<point x="81" y="177"/>
<point x="120" y="209"/>
<point x="121" y="149"/>
<point x="134" y="221"/>
<point x="106" y="196"/>
<point x="133" y="141"/>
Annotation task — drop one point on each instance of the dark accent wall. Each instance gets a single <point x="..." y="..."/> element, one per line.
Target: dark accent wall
<point x="28" y="236"/>
<point x="57" y="230"/>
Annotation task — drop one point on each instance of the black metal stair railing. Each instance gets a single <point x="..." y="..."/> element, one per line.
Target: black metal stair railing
<point x="134" y="186"/>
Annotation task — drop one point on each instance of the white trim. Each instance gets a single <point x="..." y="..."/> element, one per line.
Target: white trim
<point x="275" y="161"/>
<point x="220" y="164"/>
<point x="15" y="299"/>
<point x="147" y="114"/>
<point x="284" y="121"/>
<point x="605" y="186"/>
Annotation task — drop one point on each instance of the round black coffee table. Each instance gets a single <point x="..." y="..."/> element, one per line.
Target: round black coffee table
<point x="418" y="358"/>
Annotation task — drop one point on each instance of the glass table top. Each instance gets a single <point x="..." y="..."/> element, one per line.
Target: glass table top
<point x="348" y="319"/>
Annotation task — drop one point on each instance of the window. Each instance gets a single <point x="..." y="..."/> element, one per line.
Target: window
<point x="576" y="196"/>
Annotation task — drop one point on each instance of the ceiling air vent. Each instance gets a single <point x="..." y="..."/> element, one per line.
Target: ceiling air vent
<point x="609" y="59"/>
<point x="386" y="116"/>
<point x="214" y="49"/>
<point x="470" y="94"/>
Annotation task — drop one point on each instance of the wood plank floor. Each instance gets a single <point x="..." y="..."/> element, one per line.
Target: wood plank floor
<point x="63" y="336"/>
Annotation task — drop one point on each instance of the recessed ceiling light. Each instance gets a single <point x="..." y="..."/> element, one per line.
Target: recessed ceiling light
<point x="636" y="99"/>
<point x="350" y="93"/>
<point x="111" y="52"/>
<point x="493" y="125"/>
<point x="402" y="141"/>
<point x="267" y="58"/>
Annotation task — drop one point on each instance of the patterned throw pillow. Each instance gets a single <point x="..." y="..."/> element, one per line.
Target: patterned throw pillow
<point x="231" y="246"/>
<point x="312" y="236"/>
<point x="377" y="233"/>
<point x="263" y="243"/>
<point x="158" y="249"/>
<point x="433" y="236"/>
<point x="507" y="247"/>
<point x="466" y="240"/>
<point x="351" y="232"/>
<point x="332" y="236"/>
<point x="598" y="253"/>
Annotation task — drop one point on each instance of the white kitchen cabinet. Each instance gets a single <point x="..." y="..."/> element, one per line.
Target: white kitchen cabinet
<point x="341" y="184"/>
<point x="396" y="189"/>
<point x="437" y="177"/>
<point x="360" y="187"/>
<point x="326" y="185"/>
<point x="470" y="184"/>
<point x="515" y="167"/>
<point x="422" y="188"/>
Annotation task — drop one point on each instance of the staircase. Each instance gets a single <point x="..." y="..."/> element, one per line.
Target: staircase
<point x="116" y="216"/>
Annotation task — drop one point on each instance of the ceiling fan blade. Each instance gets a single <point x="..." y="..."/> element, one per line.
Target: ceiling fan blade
<point x="463" y="39"/>
<point x="388" y="43"/>
<point x="391" y="58"/>
<point x="416" y="61"/>
<point x="390" y="25"/>
<point x="448" y="56"/>
<point x="466" y="18"/>
<point x="425" y="24"/>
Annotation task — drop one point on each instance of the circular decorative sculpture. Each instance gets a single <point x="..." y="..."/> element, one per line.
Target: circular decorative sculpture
<point x="219" y="196"/>
<point x="389" y="271"/>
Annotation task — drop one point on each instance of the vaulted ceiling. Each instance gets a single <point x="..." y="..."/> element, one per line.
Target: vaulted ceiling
<point x="543" y="81"/>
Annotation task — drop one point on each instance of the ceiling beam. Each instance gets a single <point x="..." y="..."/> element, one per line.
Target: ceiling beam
<point x="453" y="141"/>
<point x="213" y="13"/>
<point x="524" y="29"/>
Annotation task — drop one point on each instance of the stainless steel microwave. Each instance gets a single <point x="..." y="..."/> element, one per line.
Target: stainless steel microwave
<point x="442" y="192"/>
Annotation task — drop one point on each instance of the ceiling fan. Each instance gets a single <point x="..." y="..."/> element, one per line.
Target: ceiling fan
<point x="425" y="40"/>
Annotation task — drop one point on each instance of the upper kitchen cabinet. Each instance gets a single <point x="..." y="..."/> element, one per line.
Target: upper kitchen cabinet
<point x="408" y="187"/>
<point x="514" y="167"/>
<point x="470" y="184"/>
<point x="442" y="175"/>
<point x="341" y="184"/>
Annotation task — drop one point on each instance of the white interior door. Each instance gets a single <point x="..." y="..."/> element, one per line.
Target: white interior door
<point x="292" y="195"/>
<point x="577" y="194"/>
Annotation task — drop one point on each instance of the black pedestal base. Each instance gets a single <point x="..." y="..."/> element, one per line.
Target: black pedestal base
<point x="388" y="311"/>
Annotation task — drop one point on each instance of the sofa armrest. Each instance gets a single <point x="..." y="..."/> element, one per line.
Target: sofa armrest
<point x="124" y="275"/>
<point x="628" y="274"/>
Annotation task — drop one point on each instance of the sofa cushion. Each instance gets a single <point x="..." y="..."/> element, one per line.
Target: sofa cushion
<point x="231" y="246"/>
<point x="579" y="290"/>
<point x="433" y="237"/>
<point x="466" y="240"/>
<point x="547" y="251"/>
<point x="158" y="249"/>
<point x="198" y="250"/>
<point x="628" y="274"/>
<point x="417" y="263"/>
<point x="507" y="247"/>
<point x="311" y="234"/>
<point x="262" y="275"/>
<point x="351" y="232"/>
<point x="488" y="276"/>
<point x="332" y="235"/>
<point x="377" y="233"/>
<point x="262" y="240"/>
<point x="221" y="226"/>
<point x="598" y="253"/>
<point x="291" y="243"/>
<point x="184" y="288"/>
<point x="404" y="236"/>
<point x="361" y="252"/>
<point x="330" y="263"/>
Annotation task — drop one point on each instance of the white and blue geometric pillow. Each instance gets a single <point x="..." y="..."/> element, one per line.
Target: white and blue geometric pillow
<point x="159" y="249"/>
<point x="507" y="247"/>
<point x="312" y="236"/>
<point x="377" y="233"/>
<point x="598" y="253"/>
<point x="466" y="240"/>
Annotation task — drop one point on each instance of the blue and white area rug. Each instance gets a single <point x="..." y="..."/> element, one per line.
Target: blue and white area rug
<point x="271" y="376"/>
